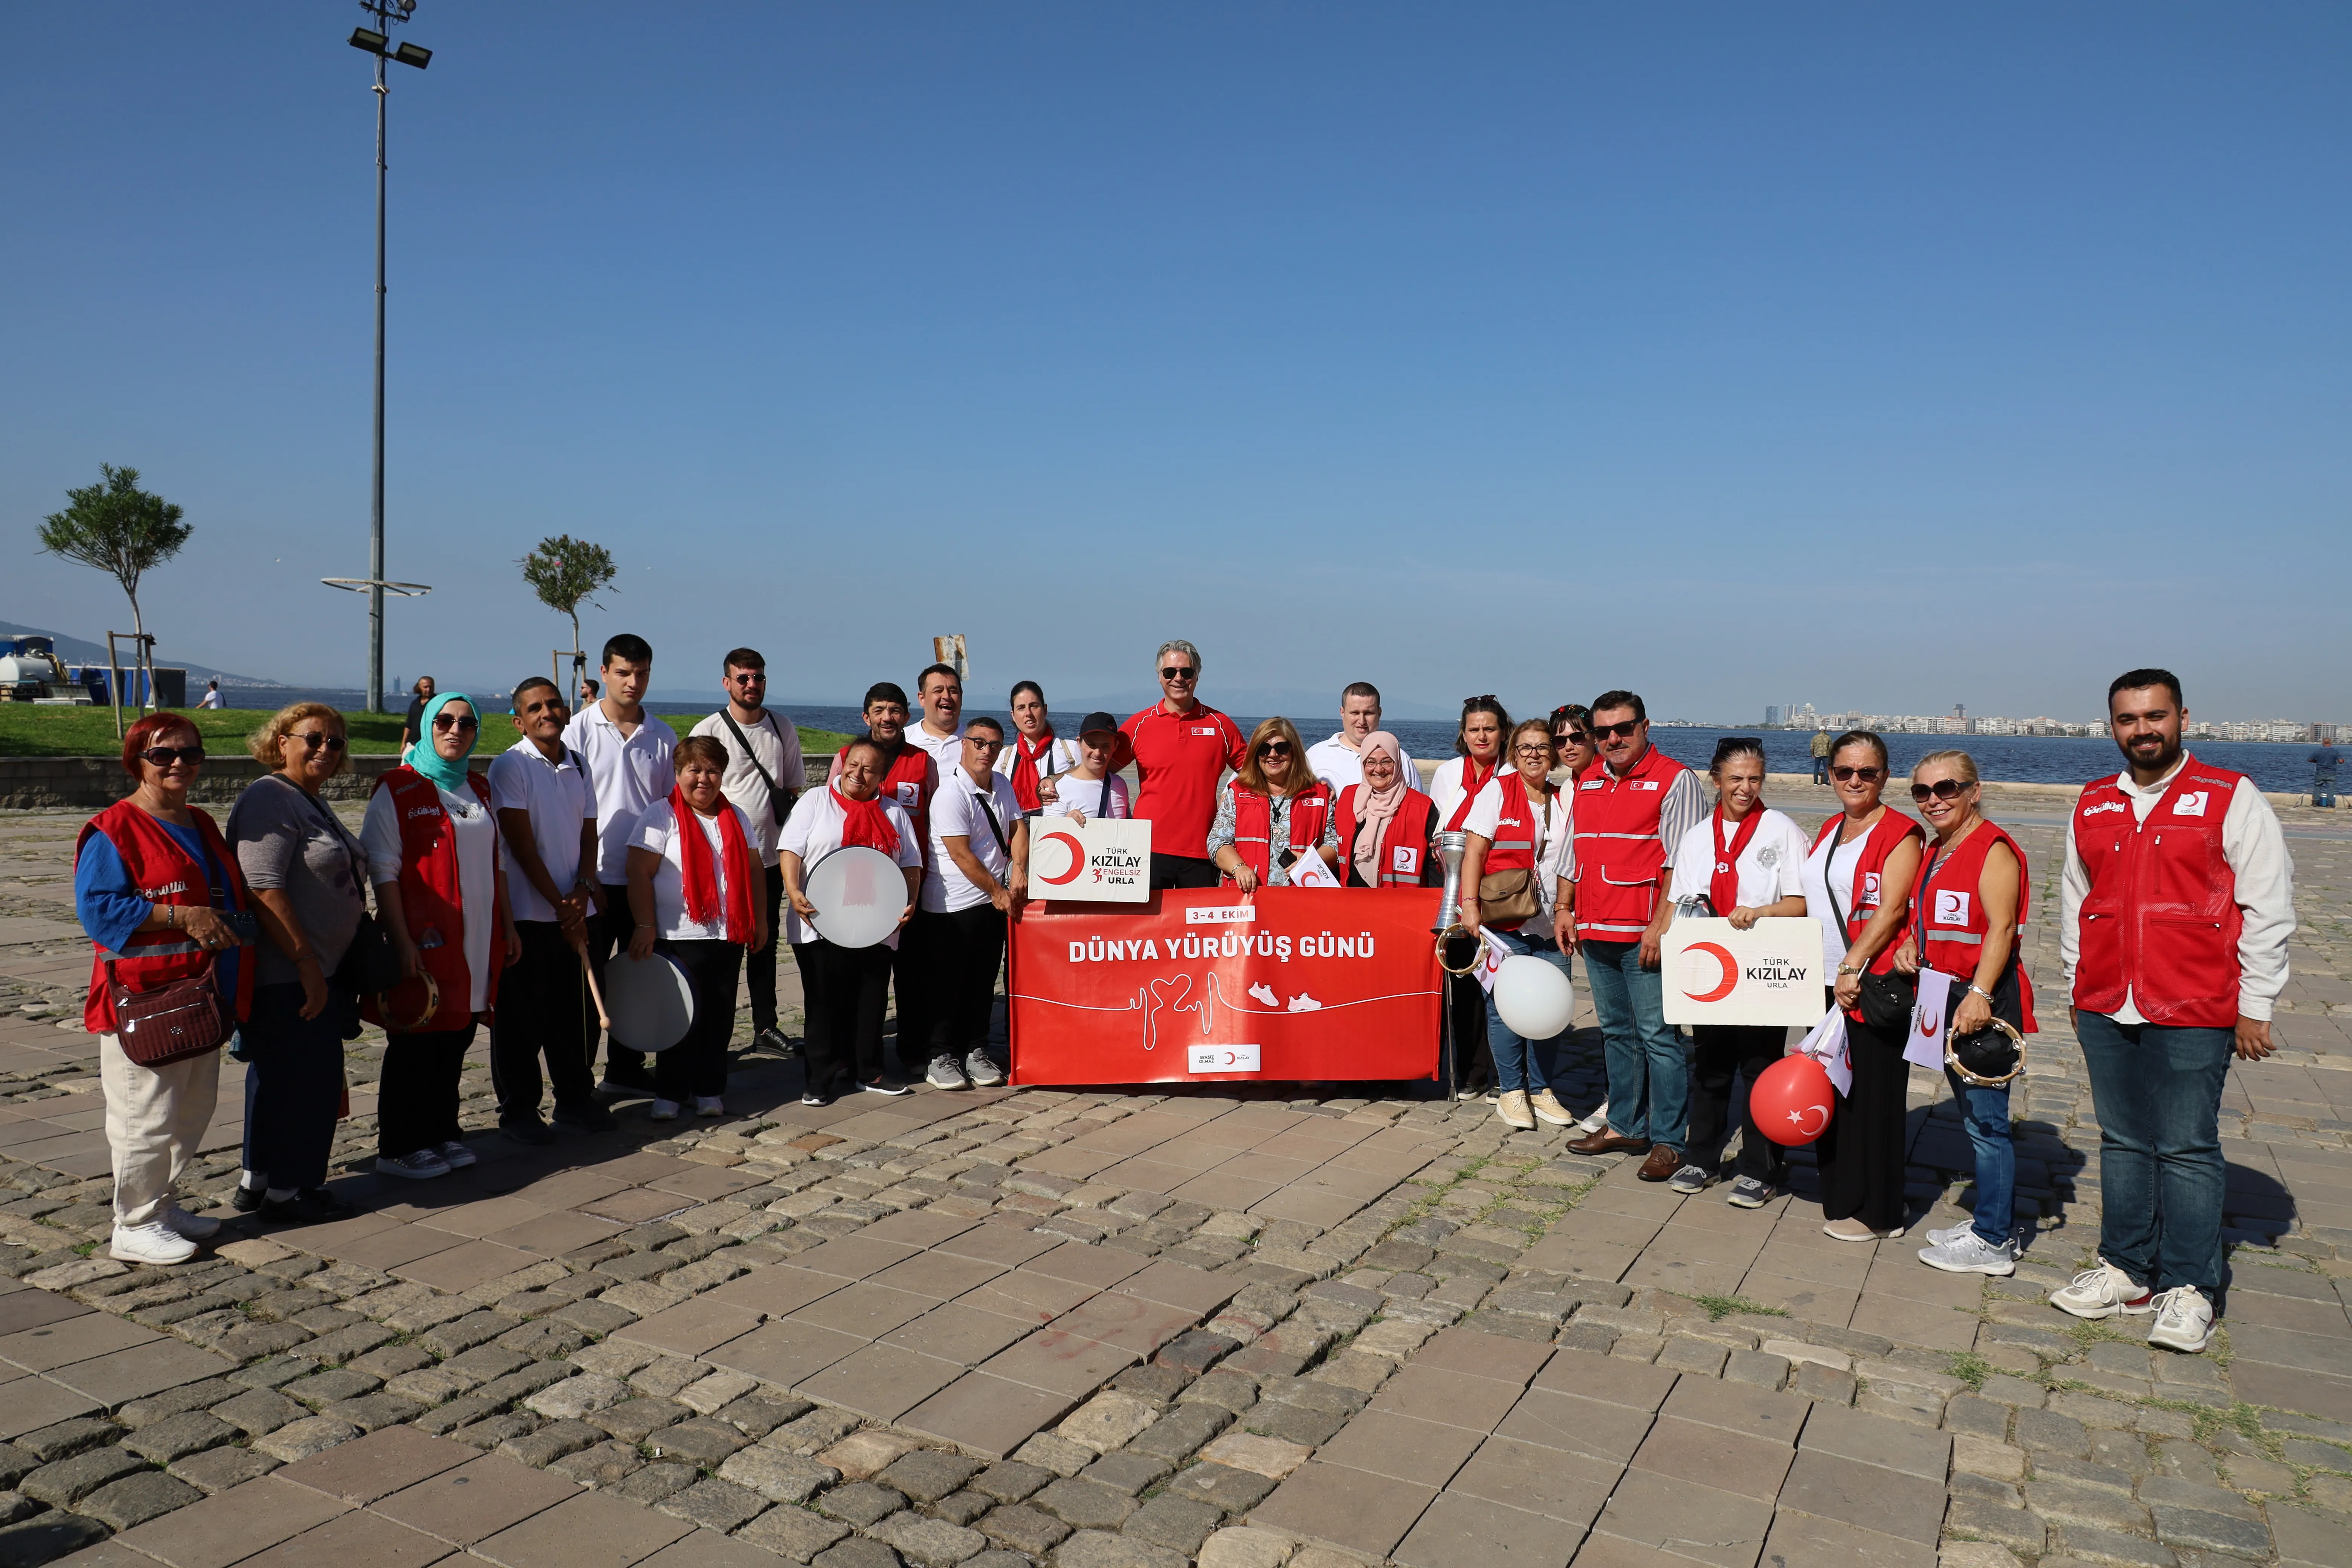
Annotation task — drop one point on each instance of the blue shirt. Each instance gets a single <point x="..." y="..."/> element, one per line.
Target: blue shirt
<point x="111" y="907"/>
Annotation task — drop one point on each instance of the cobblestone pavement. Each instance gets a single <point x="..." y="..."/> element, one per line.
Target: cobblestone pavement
<point x="1105" y="1329"/>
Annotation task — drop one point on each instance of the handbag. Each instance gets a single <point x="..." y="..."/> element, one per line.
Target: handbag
<point x="368" y="965"/>
<point x="1887" y="998"/>
<point x="1506" y="897"/>
<point x="171" y="1022"/>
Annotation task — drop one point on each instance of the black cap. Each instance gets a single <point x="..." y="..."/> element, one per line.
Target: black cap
<point x="1098" y="722"/>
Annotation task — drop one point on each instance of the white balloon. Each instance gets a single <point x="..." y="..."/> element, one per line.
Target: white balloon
<point x="1534" y="998"/>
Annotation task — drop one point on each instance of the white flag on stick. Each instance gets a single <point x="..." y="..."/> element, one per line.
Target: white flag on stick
<point x="1827" y="1046"/>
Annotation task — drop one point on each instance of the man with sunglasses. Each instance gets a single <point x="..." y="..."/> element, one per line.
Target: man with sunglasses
<point x="764" y="775"/>
<point x="1632" y="810"/>
<point x="2174" y="914"/>
<point x="1182" y="746"/>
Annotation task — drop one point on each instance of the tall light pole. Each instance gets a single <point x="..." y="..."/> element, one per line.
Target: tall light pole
<point x="387" y="15"/>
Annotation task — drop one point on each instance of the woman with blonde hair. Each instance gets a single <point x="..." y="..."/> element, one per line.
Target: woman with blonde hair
<point x="309" y="877"/>
<point x="1274" y="811"/>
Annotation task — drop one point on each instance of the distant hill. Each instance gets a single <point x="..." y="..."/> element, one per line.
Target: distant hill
<point x="74" y="651"/>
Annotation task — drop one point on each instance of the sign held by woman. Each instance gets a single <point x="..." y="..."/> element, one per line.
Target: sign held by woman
<point x="1769" y="973"/>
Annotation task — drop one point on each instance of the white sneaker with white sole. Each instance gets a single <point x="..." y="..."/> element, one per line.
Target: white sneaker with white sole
<point x="2184" y="1321"/>
<point x="154" y="1242"/>
<point x="1969" y="1253"/>
<point x="1596" y="1121"/>
<point x="661" y="1111"/>
<point x="2103" y="1292"/>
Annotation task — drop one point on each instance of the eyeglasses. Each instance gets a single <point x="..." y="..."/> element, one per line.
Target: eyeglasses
<point x="1180" y="674"/>
<point x="451" y="721"/>
<point x="313" y="739"/>
<point x="1531" y="751"/>
<point x="165" y="756"/>
<point x="1274" y="749"/>
<point x="1618" y="731"/>
<point x="1866" y="776"/>
<point x="1942" y="789"/>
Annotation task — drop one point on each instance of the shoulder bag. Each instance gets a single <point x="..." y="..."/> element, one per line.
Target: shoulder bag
<point x="369" y="964"/>
<point x="780" y="800"/>
<point x="1887" y="998"/>
<point x="171" y="1022"/>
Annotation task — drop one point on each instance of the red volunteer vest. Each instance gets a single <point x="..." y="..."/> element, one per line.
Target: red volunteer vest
<point x="1514" y="848"/>
<point x="909" y="784"/>
<point x="1405" y="839"/>
<point x="432" y="900"/>
<point x="2160" y="922"/>
<point x="1948" y="915"/>
<point x="163" y="874"/>
<point x="1861" y="901"/>
<point x="1253" y="826"/>
<point x="1618" y="852"/>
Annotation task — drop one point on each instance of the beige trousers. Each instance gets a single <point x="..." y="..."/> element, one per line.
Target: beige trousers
<point x="156" y="1116"/>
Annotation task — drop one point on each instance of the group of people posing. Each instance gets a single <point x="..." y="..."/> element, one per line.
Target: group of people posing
<point x="598" y="837"/>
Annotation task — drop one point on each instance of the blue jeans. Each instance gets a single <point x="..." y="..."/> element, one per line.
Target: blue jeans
<point x="2158" y="1095"/>
<point x="1985" y="1112"/>
<point x="1649" y="1076"/>
<point x="1516" y="1064"/>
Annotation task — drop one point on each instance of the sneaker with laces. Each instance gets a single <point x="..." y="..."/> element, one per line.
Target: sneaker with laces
<point x="772" y="1039"/>
<point x="981" y="1069"/>
<point x="1549" y="1110"/>
<point x="420" y="1166"/>
<point x="1690" y="1180"/>
<point x="1596" y="1121"/>
<point x="814" y="1097"/>
<point x="883" y="1085"/>
<point x="154" y="1242"/>
<point x="455" y="1155"/>
<point x="194" y="1226"/>
<point x="661" y="1111"/>
<point x="1747" y="1192"/>
<point x="2184" y="1319"/>
<point x="945" y="1073"/>
<point x="709" y="1105"/>
<point x="2103" y="1292"/>
<point x="1969" y="1253"/>
<point x="1949" y="1234"/>
<point x="1511" y="1107"/>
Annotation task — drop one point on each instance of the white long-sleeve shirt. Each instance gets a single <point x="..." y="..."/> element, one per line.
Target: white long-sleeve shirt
<point x="2256" y="852"/>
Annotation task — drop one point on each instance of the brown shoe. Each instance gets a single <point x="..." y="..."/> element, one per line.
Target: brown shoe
<point x="1663" y="1162"/>
<point x="1609" y="1141"/>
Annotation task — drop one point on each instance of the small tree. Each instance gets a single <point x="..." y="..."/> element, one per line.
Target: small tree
<point x="566" y="573"/>
<point x="117" y="527"/>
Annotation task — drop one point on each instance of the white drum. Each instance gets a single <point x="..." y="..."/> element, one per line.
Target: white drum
<point x="859" y="894"/>
<point x="649" y="1000"/>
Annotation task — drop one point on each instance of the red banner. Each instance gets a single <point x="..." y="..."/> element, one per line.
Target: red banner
<point x="1289" y="984"/>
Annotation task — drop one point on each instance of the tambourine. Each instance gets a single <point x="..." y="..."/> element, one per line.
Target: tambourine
<point x="392" y="1022"/>
<point x="1961" y="1071"/>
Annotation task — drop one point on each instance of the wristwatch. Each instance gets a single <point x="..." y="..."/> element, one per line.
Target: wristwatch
<point x="1848" y="969"/>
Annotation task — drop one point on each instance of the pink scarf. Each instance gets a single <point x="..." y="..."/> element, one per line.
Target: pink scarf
<point x="1374" y="807"/>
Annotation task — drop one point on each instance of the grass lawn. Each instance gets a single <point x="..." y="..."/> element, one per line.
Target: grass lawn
<point x="27" y="731"/>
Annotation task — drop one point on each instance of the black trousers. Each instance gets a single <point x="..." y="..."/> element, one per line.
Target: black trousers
<point x="294" y="1083"/>
<point x="697" y="1065"/>
<point x="416" y="1101"/>
<point x="848" y="989"/>
<point x="542" y="1011"/>
<point x="1183" y="871"/>
<point x="1861" y="1155"/>
<point x="760" y="963"/>
<point x="920" y="975"/>
<point x="1466" y="1008"/>
<point x="971" y="955"/>
<point x="1726" y="1052"/>
<point x="609" y="933"/>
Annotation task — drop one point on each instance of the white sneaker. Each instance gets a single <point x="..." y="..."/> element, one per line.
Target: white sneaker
<point x="1511" y="1107"/>
<point x="946" y="1074"/>
<point x="1968" y="1253"/>
<point x="1548" y="1108"/>
<point x="420" y="1167"/>
<point x="154" y="1242"/>
<point x="1950" y="1234"/>
<point x="663" y="1111"/>
<point x="981" y="1069"/>
<point x="2103" y="1292"/>
<point x="709" y="1105"/>
<point x="194" y="1226"/>
<point x="2185" y="1321"/>
<point x="1596" y="1121"/>
<point x="455" y="1155"/>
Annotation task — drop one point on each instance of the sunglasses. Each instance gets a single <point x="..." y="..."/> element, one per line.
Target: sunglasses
<point x="1179" y="673"/>
<point x="451" y="721"/>
<point x="1574" y="738"/>
<point x="165" y="756"/>
<point x="312" y="739"/>
<point x="1867" y="775"/>
<point x="983" y="745"/>
<point x="1618" y="731"/>
<point x="1942" y="789"/>
<point x="1274" y="749"/>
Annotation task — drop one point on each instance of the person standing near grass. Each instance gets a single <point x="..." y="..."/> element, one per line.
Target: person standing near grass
<point x="411" y="723"/>
<point x="764" y="775"/>
<point x="2175" y="912"/>
<point x="629" y="769"/>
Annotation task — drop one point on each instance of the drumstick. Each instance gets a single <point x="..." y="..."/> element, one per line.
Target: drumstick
<point x="604" y="1019"/>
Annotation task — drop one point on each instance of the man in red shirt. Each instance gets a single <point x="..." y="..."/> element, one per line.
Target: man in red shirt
<point x="1182" y="748"/>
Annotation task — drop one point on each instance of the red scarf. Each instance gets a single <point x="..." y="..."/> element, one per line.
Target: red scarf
<point x="1473" y="781"/>
<point x="699" y="872"/>
<point x="866" y="824"/>
<point x="1024" y="771"/>
<point x="1723" y="888"/>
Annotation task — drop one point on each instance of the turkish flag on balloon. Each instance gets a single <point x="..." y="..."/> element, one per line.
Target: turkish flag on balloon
<point x="1792" y="1100"/>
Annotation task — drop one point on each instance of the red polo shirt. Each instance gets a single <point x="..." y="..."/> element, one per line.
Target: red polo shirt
<point x="1179" y="759"/>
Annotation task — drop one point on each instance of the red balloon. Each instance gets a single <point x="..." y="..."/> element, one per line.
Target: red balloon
<point x="1791" y="1102"/>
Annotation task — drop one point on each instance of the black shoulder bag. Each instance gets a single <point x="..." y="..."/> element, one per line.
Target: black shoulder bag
<point x="1886" y="999"/>
<point x="780" y="800"/>
<point x="368" y="965"/>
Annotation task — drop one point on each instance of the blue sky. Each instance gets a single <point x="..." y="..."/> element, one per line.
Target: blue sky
<point x="1875" y="356"/>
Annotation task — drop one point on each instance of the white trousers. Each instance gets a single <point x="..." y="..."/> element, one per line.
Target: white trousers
<point x="156" y="1116"/>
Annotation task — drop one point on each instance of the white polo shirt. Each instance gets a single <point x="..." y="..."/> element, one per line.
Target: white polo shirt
<point x="558" y="797"/>
<point x="1339" y="764"/>
<point x="777" y="744"/>
<point x="957" y="811"/>
<point x="627" y="773"/>
<point x="945" y="750"/>
<point x="814" y="831"/>
<point x="1770" y="868"/>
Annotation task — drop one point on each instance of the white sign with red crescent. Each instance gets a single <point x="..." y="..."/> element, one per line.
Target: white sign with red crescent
<point x="1769" y="974"/>
<point x="1101" y="860"/>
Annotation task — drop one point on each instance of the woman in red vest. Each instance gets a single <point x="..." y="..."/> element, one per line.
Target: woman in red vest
<point x="1965" y="916"/>
<point x="1858" y="881"/>
<point x="1385" y="824"/>
<point x="1518" y="823"/>
<point x="433" y="853"/>
<point x="1274" y="812"/>
<point x="159" y="893"/>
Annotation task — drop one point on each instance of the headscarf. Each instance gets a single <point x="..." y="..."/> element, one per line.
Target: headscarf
<point x="1374" y="807"/>
<point x="1025" y="768"/>
<point x="698" y="869"/>
<point x="449" y="772"/>
<point x="864" y="823"/>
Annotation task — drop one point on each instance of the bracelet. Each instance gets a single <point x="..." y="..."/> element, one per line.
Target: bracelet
<point x="1981" y="991"/>
<point x="171" y="921"/>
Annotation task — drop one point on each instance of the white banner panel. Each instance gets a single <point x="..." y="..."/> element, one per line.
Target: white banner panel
<point x="1104" y="860"/>
<point x="1769" y="973"/>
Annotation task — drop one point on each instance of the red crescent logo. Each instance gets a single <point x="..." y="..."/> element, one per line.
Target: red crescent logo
<point x="1077" y="858"/>
<point x="1797" y="1119"/>
<point x="1730" y="976"/>
<point x="1927" y="1027"/>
